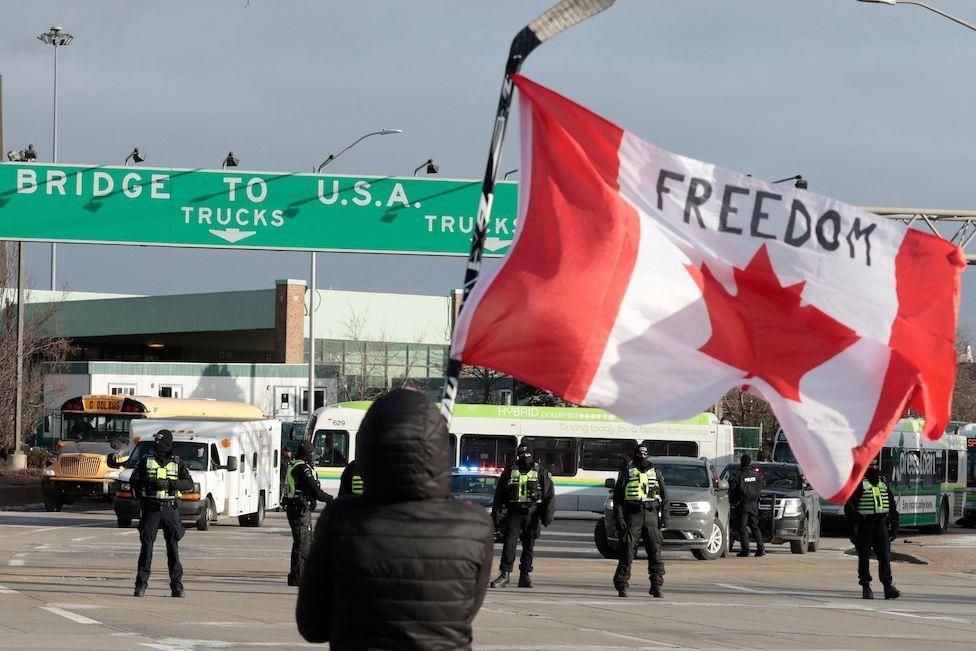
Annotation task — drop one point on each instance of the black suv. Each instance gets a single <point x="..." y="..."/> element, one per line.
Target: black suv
<point x="789" y="509"/>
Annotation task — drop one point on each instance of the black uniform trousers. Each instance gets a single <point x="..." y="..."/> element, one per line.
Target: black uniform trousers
<point x="521" y="525"/>
<point x="872" y="535"/>
<point x="156" y="514"/>
<point x="749" y="521"/>
<point x="300" y="521"/>
<point x="642" y="525"/>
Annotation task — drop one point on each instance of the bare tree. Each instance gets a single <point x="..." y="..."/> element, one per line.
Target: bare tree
<point x="745" y="409"/>
<point x="369" y="368"/>
<point x="964" y="392"/>
<point x="486" y="381"/>
<point x="43" y="350"/>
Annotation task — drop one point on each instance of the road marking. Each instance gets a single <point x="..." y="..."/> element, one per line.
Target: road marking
<point x="4" y="590"/>
<point x="743" y="588"/>
<point x="76" y="606"/>
<point x="632" y="638"/>
<point x="180" y="644"/>
<point x="67" y="614"/>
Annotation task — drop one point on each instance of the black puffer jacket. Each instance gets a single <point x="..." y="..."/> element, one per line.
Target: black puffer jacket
<point x="403" y="566"/>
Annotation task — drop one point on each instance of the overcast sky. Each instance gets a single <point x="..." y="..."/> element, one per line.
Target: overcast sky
<point x="873" y="104"/>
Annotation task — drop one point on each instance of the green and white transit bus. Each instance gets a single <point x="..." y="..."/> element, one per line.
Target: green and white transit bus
<point x="928" y="478"/>
<point x="581" y="447"/>
<point x="969" y="511"/>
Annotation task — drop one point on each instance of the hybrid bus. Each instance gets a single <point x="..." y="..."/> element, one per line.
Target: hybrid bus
<point x="927" y="477"/>
<point x="581" y="447"/>
<point x="95" y="426"/>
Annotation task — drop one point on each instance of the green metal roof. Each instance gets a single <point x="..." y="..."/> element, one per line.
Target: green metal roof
<point x="243" y="310"/>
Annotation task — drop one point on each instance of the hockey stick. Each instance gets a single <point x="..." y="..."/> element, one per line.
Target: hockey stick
<point x="556" y="19"/>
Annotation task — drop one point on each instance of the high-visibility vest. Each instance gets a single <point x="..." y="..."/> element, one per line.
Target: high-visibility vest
<point x="292" y="491"/>
<point x="642" y="485"/>
<point x="357" y="485"/>
<point x="170" y="471"/>
<point x="874" y="499"/>
<point x="523" y="487"/>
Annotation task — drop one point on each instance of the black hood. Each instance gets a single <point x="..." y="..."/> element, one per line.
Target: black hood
<point x="403" y="449"/>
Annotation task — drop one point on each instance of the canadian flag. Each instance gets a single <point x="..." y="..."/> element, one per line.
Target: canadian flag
<point x="650" y="284"/>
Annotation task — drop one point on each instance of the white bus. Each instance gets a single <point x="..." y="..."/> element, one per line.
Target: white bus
<point x="927" y="477"/>
<point x="581" y="447"/>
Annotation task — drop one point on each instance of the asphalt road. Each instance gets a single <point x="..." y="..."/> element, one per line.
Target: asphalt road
<point x="66" y="581"/>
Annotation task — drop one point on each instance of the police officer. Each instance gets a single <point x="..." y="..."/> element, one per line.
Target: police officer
<point x="872" y="517"/>
<point x="301" y="492"/>
<point x="524" y="494"/>
<point x="350" y="482"/>
<point x="640" y="511"/>
<point x="745" y="487"/>
<point x="158" y="479"/>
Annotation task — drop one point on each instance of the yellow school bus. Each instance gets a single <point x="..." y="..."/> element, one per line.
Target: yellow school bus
<point x="95" y="426"/>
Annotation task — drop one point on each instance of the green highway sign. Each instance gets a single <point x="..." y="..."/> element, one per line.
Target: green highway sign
<point x="248" y="210"/>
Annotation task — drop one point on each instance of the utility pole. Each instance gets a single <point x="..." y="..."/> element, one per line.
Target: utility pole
<point x="16" y="460"/>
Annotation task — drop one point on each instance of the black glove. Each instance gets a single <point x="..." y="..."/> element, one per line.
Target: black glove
<point x="663" y="523"/>
<point x="892" y="532"/>
<point x="852" y="534"/>
<point x="621" y="525"/>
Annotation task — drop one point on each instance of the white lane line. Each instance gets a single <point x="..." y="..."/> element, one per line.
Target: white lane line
<point x="67" y="614"/>
<point x="181" y="644"/>
<point x="75" y="606"/>
<point x="4" y="590"/>
<point x="630" y="638"/>
<point x="743" y="588"/>
<point x="15" y="562"/>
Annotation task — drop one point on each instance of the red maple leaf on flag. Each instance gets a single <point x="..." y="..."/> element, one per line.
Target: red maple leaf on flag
<point x="764" y="331"/>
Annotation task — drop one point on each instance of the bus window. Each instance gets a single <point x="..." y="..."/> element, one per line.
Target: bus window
<point x="214" y="456"/>
<point x="971" y="462"/>
<point x="672" y="448"/>
<point x="557" y="454"/>
<point x="331" y="448"/>
<point x="606" y="454"/>
<point x="953" y="467"/>
<point x="487" y="451"/>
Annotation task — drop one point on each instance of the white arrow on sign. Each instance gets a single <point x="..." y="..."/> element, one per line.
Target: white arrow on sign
<point x="232" y="235"/>
<point x="494" y="243"/>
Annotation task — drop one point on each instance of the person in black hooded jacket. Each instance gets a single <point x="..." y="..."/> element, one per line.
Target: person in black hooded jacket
<point x="402" y="566"/>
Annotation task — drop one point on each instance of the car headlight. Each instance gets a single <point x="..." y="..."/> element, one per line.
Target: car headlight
<point x="792" y="507"/>
<point x="112" y="474"/>
<point x="48" y="472"/>
<point x="699" y="507"/>
<point x="608" y="505"/>
<point x="125" y="487"/>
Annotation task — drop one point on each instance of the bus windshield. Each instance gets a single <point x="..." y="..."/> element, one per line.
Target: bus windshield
<point x="194" y="455"/>
<point x="782" y="452"/>
<point x="96" y="427"/>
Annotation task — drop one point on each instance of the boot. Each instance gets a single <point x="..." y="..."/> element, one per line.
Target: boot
<point x="293" y="582"/>
<point x="501" y="580"/>
<point x="140" y="591"/>
<point x="655" y="591"/>
<point x="178" y="592"/>
<point x="891" y="592"/>
<point x="621" y="589"/>
<point x="525" y="581"/>
<point x="867" y="592"/>
<point x="743" y="554"/>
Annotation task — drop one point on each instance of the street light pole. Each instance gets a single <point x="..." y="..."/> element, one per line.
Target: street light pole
<point x="57" y="38"/>
<point x="311" y="280"/>
<point x="332" y="157"/>
<point x="924" y="6"/>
